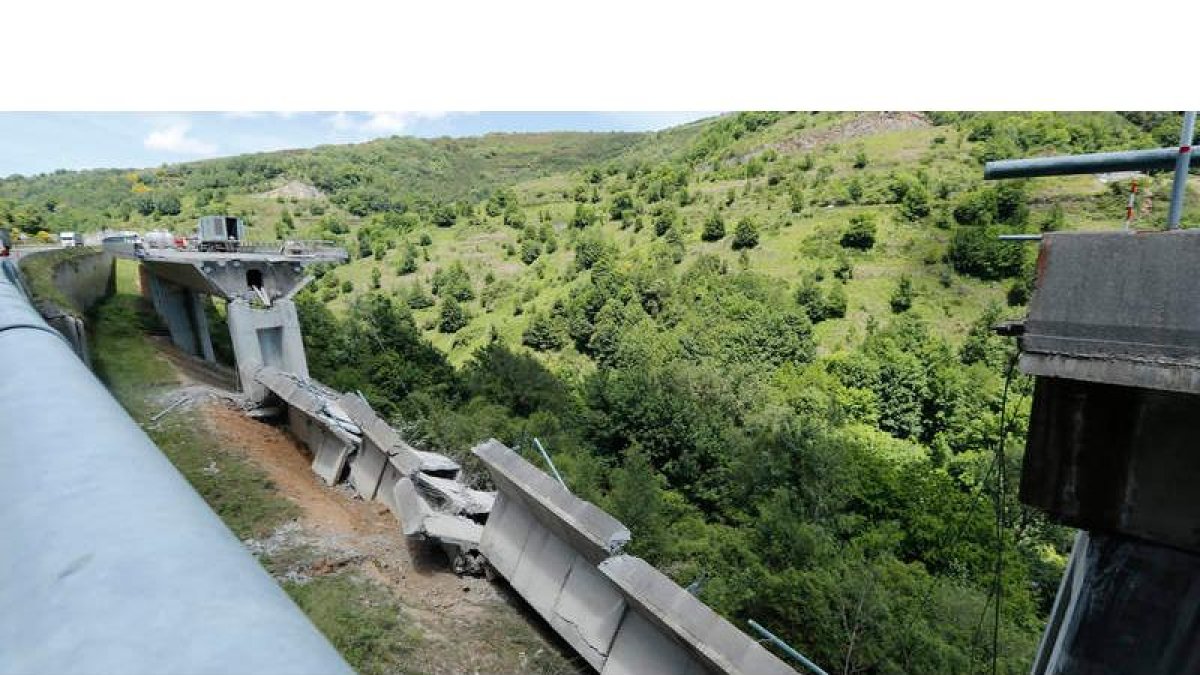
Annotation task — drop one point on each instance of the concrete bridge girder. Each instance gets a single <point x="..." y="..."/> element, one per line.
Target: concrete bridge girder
<point x="231" y="278"/>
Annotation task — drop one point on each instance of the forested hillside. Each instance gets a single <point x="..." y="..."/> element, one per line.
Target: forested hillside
<point x="761" y="340"/>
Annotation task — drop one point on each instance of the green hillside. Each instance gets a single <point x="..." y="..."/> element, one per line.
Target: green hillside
<point x="761" y="340"/>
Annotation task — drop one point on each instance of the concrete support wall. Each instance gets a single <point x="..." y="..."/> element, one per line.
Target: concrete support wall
<point x="619" y="613"/>
<point x="86" y="279"/>
<point x="82" y="280"/>
<point x="265" y="337"/>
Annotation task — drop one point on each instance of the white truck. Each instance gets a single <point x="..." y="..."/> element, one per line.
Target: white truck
<point x="69" y="239"/>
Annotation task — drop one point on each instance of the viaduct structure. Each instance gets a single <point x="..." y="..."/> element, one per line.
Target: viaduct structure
<point x="562" y="554"/>
<point x="1113" y="339"/>
<point x="258" y="288"/>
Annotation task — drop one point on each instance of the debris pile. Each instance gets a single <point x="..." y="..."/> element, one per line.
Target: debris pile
<point x="351" y="443"/>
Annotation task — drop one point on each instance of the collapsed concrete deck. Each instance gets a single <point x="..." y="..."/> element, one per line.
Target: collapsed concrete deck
<point x="560" y="553"/>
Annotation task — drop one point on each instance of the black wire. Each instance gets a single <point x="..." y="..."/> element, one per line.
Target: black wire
<point x="997" y="461"/>
<point x="960" y="526"/>
<point x="1000" y="519"/>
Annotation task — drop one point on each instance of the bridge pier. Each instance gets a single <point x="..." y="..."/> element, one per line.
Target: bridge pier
<point x="183" y="312"/>
<point x="258" y="288"/>
<point x="267" y="336"/>
<point x="1113" y="339"/>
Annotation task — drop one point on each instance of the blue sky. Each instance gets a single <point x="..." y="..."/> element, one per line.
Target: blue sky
<point x="33" y="143"/>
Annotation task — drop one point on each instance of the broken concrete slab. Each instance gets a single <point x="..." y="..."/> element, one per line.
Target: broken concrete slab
<point x="456" y="530"/>
<point x="412" y="510"/>
<point x="586" y="528"/>
<point x="709" y="638"/>
<point x="407" y="459"/>
<point x="588" y="612"/>
<point x="454" y="497"/>
<point x="640" y="648"/>
<point x="290" y="389"/>
<point x="331" y="447"/>
<point x="366" y="470"/>
<point x="508" y="526"/>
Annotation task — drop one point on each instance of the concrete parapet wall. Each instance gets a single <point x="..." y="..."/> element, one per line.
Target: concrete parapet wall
<point x="618" y="612"/>
<point x="66" y="283"/>
<point x="703" y="636"/>
<point x="593" y="533"/>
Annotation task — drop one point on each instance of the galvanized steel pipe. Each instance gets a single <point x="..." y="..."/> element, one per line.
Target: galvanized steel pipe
<point x="109" y="561"/>
<point x="1100" y="162"/>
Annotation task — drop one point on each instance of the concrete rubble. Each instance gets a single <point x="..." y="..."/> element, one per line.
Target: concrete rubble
<point x="560" y="553"/>
<point x="349" y="441"/>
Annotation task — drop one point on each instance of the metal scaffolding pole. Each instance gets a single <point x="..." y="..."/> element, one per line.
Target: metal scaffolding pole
<point x="1183" y="160"/>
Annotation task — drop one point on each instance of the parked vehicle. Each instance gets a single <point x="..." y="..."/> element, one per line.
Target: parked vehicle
<point x="159" y="239"/>
<point x="69" y="239"/>
<point x="125" y="243"/>
<point x="220" y="233"/>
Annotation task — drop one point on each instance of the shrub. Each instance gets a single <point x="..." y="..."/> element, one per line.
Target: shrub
<point x="843" y="270"/>
<point x="915" y="204"/>
<point x="745" y="235"/>
<point x="977" y="251"/>
<point x="584" y="216"/>
<point x="861" y="232"/>
<point x="530" y="250"/>
<point x="453" y="281"/>
<point x="714" y="227"/>
<point x="407" y="264"/>
<point x="544" y="334"/>
<point x="1054" y="220"/>
<point x="445" y="215"/>
<point x="902" y="297"/>
<point x="452" y="316"/>
<point x="417" y="298"/>
<point x="514" y="217"/>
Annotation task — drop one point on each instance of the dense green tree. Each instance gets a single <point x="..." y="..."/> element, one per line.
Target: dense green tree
<point x="860" y="234"/>
<point x="451" y="317"/>
<point x="745" y="235"/>
<point x="979" y="252"/>
<point x="714" y="227"/>
<point x="544" y="333"/>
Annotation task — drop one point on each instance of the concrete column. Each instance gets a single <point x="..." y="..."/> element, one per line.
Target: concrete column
<point x="266" y="336"/>
<point x="174" y="306"/>
<point x="200" y="320"/>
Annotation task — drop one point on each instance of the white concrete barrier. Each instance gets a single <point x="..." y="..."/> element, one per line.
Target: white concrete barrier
<point x="618" y="612"/>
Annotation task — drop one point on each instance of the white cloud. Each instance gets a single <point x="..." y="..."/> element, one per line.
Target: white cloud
<point x="390" y="122"/>
<point x="379" y="122"/>
<point x="174" y="138"/>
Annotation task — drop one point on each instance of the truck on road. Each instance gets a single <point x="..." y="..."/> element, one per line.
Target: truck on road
<point x="69" y="239"/>
<point x="220" y="233"/>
